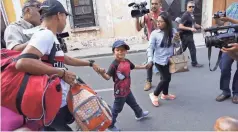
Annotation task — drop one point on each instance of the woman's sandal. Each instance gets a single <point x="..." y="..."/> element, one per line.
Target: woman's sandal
<point x="168" y="97"/>
<point x="154" y="99"/>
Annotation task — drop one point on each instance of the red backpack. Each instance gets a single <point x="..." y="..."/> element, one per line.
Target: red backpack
<point x="34" y="97"/>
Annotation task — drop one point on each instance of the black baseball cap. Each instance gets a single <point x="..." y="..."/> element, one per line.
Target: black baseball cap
<point x="29" y="3"/>
<point x="119" y="43"/>
<point x="52" y="7"/>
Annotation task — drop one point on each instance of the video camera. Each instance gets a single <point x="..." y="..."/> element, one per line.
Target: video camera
<point x="220" y="40"/>
<point x="62" y="41"/>
<point x="139" y="9"/>
<point x="219" y="14"/>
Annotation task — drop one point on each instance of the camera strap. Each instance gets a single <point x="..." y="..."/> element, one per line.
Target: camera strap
<point x="209" y="59"/>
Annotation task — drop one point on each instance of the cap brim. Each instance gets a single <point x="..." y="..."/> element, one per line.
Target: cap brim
<point x="67" y="14"/>
<point x="125" y="45"/>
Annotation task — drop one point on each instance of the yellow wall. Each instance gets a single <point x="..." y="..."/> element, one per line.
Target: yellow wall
<point x="8" y="5"/>
<point x="22" y="1"/>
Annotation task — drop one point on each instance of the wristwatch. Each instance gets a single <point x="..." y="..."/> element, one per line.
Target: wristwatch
<point x="91" y="62"/>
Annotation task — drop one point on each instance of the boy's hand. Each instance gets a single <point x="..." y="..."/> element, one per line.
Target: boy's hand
<point x="102" y="71"/>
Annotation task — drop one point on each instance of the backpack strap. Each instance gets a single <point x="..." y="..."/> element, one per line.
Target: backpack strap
<point x="51" y="56"/>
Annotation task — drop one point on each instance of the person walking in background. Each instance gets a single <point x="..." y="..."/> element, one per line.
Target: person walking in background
<point x="148" y="21"/>
<point x="186" y="27"/>
<point x="161" y="48"/>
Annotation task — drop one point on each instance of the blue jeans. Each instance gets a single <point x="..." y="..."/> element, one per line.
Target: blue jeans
<point x="225" y="66"/>
<point x="119" y="104"/>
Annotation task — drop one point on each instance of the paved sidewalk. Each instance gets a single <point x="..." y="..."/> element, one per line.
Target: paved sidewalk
<point x="106" y="51"/>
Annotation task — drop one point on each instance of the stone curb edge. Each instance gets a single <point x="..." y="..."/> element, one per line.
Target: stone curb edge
<point x="110" y="54"/>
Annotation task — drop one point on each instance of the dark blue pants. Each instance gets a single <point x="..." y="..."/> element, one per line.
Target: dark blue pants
<point x="188" y="42"/>
<point x="61" y="121"/>
<point x="225" y="66"/>
<point x="119" y="104"/>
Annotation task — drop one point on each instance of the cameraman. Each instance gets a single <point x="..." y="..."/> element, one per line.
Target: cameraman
<point x="227" y="61"/>
<point x="148" y="21"/>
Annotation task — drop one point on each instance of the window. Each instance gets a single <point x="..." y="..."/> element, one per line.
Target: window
<point x="83" y="13"/>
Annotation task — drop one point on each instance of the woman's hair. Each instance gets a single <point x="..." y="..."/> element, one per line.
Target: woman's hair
<point x="168" y="30"/>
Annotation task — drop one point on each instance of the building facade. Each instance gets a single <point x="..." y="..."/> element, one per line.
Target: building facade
<point x="97" y="23"/>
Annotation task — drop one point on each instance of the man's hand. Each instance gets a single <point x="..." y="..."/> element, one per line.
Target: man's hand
<point x="96" y="68"/>
<point x="102" y="71"/>
<point x="225" y="19"/>
<point x="193" y="30"/>
<point x="69" y="77"/>
<point x="176" y="38"/>
<point x="234" y="48"/>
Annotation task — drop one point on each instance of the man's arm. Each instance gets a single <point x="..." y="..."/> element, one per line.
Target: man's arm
<point x="34" y="66"/>
<point x="39" y="45"/>
<point x="78" y="62"/>
<point x="13" y="38"/>
<point x="182" y="27"/>
<point x="75" y="62"/>
<point x="228" y="19"/>
<point x="197" y="26"/>
<point x="184" y="18"/>
<point x="140" y="23"/>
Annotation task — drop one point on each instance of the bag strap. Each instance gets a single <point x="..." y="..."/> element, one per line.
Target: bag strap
<point x="27" y="55"/>
<point x="51" y="57"/>
<point x="218" y="59"/>
<point x="20" y="94"/>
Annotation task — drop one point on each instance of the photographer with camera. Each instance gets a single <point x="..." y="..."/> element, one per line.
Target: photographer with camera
<point x="187" y="27"/>
<point x="149" y="21"/>
<point x="226" y="59"/>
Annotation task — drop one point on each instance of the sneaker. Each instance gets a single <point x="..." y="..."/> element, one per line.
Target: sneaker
<point x="114" y="128"/>
<point x="148" y="86"/>
<point x="168" y="97"/>
<point x="144" y="114"/>
<point x="197" y="65"/>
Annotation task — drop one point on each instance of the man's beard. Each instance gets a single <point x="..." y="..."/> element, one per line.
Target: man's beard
<point x="154" y="10"/>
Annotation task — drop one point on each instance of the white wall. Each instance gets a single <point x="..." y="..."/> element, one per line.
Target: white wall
<point x="207" y="9"/>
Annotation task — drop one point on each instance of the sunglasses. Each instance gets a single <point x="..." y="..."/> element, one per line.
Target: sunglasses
<point x="191" y="7"/>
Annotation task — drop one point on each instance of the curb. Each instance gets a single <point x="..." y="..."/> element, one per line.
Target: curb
<point x="130" y="52"/>
<point x="109" y="54"/>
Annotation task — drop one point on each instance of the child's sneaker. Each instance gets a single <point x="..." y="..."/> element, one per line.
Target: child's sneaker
<point x="114" y="128"/>
<point x="144" y="114"/>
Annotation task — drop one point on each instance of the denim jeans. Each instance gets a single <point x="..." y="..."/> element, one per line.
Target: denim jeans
<point x="61" y="120"/>
<point x="119" y="104"/>
<point x="225" y="66"/>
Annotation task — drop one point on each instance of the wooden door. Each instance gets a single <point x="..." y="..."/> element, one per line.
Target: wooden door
<point x="219" y="5"/>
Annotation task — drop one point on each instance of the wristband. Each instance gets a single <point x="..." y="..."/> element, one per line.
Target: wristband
<point x="91" y="62"/>
<point x="63" y="74"/>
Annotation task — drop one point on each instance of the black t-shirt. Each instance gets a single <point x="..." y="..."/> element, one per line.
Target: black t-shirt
<point x="187" y="20"/>
<point x="120" y="72"/>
